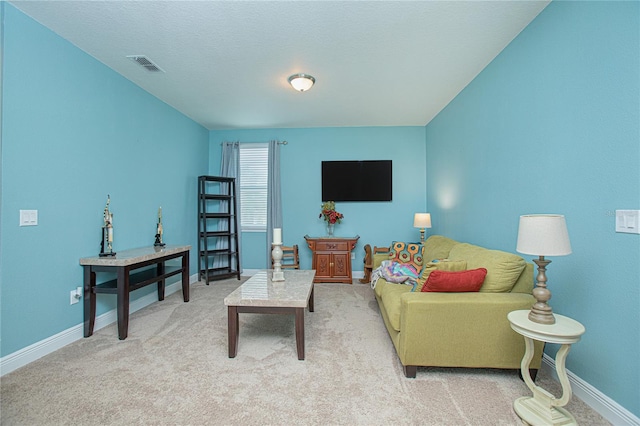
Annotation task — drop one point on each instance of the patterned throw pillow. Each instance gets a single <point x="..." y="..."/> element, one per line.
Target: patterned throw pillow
<point x="410" y="253"/>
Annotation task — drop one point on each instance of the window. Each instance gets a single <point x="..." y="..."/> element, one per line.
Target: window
<point x="253" y="186"/>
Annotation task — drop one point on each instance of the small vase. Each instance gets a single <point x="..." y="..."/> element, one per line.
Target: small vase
<point x="330" y="229"/>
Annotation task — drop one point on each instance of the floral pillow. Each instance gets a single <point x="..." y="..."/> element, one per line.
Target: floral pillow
<point x="409" y="253"/>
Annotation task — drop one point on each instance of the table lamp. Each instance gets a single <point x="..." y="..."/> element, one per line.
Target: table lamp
<point x="422" y="220"/>
<point x="542" y="235"/>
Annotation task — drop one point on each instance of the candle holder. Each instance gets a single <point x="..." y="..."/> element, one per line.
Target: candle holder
<point x="107" y="232"/>
<point x="276" y="253"/>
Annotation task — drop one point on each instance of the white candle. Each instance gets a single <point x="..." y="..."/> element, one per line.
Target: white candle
<point x="277" y="236"/>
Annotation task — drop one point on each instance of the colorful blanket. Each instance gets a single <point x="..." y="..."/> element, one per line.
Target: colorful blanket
<point x="394" y="272"/>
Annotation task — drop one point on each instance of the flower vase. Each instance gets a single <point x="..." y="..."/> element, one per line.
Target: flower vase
<point x="330" y="229"/>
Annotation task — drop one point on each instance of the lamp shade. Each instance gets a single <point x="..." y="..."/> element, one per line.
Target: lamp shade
<point x="543" y="235"/>
<point x="301" y="82"/>
<point x="422" y="220"/>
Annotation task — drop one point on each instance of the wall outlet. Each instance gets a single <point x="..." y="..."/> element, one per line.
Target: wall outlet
<point x="353" y="256"/>
<point x="75" y="296"/>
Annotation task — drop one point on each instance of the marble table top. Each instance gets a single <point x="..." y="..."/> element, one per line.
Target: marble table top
<point x="260" y="290"/>
<point x="129" y="257"/>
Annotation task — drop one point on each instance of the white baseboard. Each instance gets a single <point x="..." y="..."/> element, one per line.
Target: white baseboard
<point x="608" y="408"/>
<point x="44" y="347"/>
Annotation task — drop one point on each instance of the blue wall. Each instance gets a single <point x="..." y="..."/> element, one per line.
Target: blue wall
<point x="301" y="189"/>
<point x="74" y="131"/>
<point x="552" y="126"/>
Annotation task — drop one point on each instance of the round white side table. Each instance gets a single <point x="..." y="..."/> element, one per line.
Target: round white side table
<point x="543" y="408"/>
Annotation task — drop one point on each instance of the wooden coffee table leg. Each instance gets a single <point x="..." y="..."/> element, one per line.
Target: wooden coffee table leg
<point x="311" y="298"/>
<point x="300" y="332"/>
<point x="234" y="328"/>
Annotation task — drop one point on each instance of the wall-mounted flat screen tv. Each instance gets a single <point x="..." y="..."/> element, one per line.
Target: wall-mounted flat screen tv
<point x="356" y="180"/>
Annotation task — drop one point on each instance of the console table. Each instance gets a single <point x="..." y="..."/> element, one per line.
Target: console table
<point x="332" y="258"/>
<point x="123" y="264"/>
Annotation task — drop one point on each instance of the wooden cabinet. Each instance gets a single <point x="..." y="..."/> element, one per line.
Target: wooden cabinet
<point x="332" y="258"/>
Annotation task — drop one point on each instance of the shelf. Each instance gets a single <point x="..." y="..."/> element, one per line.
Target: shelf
<point x="215" y="263"/>
<point x="215" y="197"/>
<point x="137" y="280"/>
<point x="217" y="234"/>
<point x="218" y="252"/>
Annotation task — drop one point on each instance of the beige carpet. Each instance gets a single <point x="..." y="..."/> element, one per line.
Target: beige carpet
<point x="174" y="369"/>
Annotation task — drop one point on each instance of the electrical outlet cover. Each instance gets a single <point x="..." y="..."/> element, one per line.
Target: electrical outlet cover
<point x="628" y="221"/>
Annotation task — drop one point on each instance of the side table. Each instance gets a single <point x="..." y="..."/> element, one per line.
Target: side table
<point x="543" y="408"/>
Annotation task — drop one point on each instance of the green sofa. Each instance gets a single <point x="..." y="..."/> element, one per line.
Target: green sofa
<point x="459" y="329"/>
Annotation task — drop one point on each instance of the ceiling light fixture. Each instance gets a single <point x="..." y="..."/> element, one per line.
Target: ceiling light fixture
<point x="301" y="82"/>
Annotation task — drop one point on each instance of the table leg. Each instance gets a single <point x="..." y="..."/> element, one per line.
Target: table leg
<point x="311" y="307"/>
<point x="123" y="302"/>
<point x="161" y="283"/>
<point x="89" y="301"/>
<point x="233" y="330"/>
<point x="543" y="407"/>
<point x="300" y="332"/>
<point x="185" y="276"/>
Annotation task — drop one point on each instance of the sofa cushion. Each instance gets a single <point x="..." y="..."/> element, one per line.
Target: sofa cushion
<point x="391" y="300"/>
<point x="378" y="258"/>
<point x="443" y="265"/>
<point x="437" y="247"/>
<point x="408" y="253"/>
<point x="503" y="269"/>
<point x="380" y="285"/>
<point x="455" y="282"/>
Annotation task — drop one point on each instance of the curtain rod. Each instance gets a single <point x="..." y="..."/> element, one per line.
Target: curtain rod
<point x="279" y="143"/>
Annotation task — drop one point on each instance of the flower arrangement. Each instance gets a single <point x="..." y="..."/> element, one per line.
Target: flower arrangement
<point x="329" y="213"/>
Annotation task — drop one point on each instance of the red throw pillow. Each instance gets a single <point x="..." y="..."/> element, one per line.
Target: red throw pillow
<point x="453" y="282"/>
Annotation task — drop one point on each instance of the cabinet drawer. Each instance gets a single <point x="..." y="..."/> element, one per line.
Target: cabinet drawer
<point x="332" y="246"/>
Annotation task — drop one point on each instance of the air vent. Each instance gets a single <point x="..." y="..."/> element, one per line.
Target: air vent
<point x="146" y="63"/>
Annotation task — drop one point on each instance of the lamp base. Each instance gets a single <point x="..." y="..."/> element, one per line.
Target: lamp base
<point x="541" y="317"/>
<point x="541" y="312"/>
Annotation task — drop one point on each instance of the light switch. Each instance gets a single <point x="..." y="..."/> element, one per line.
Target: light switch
<point x="28" y="217"/>
<point x="628" y="221"/>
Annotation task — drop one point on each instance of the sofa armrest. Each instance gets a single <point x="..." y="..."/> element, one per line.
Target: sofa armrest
<point x="379" y="254"/>
<point x="446" y="325"/>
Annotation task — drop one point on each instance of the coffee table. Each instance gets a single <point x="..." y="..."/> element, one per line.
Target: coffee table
<point x="260" y="295"/>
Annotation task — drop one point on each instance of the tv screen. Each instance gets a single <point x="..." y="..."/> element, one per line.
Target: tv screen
<point x="356" y="180"/>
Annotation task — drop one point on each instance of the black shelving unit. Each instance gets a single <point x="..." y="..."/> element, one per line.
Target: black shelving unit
<point x="218" y="255"/>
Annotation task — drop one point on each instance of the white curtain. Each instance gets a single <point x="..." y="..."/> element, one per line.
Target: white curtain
<point x="229" y="167"/>
<point x="274" y="196"/>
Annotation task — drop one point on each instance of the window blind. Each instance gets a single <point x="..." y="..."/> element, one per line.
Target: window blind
<point x="253" y="186"/>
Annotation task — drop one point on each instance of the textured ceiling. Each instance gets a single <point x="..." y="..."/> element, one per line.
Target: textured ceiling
<point x="226" y="63"/>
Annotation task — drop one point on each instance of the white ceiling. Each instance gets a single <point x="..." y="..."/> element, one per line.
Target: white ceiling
<point x="226" y="63"/>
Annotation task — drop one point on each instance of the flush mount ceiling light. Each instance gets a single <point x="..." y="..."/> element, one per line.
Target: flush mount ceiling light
<point x="301" y="82"/>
